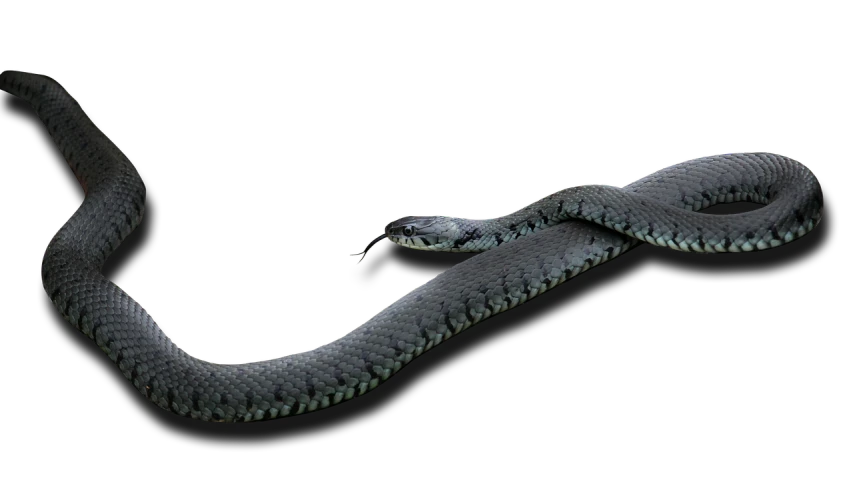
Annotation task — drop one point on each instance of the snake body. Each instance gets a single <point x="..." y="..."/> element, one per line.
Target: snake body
<point x="538" y="248"/>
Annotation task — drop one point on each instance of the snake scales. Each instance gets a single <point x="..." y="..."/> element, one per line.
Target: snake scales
<point x="539" y="247"/>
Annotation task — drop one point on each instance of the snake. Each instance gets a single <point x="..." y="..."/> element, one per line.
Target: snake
<point x="524" y="254"/>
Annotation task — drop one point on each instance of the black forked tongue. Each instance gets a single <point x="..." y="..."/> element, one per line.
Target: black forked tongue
<point x="369" y="247"/>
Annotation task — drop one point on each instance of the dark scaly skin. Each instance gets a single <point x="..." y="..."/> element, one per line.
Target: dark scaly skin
<point x="790" y="191"/>
<point x="347" y="367"/>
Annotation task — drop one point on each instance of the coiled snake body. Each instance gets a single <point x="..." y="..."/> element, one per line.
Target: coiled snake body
<point x="539" y="247"/>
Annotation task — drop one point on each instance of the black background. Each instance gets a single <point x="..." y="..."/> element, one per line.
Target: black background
<point x="241" y="250"/>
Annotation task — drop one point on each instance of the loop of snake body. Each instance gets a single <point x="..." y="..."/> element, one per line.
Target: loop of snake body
<point x="527" y="253"/>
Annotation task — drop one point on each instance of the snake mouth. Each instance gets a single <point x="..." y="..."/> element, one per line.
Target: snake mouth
<point x="433" y="233"/>
<point x="420" y="233"/>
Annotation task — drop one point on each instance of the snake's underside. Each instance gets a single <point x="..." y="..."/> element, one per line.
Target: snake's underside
<point x="556" y="238"/>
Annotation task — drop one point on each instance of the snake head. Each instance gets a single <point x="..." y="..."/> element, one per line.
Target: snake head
<point x="424" y="233"/>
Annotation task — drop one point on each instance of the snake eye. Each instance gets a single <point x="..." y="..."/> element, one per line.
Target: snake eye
<point x="408" y="231"/>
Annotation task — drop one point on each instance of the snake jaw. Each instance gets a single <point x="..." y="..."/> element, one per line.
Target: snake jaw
<point x="420" y="233"/>
<point x="423" y="233"/>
